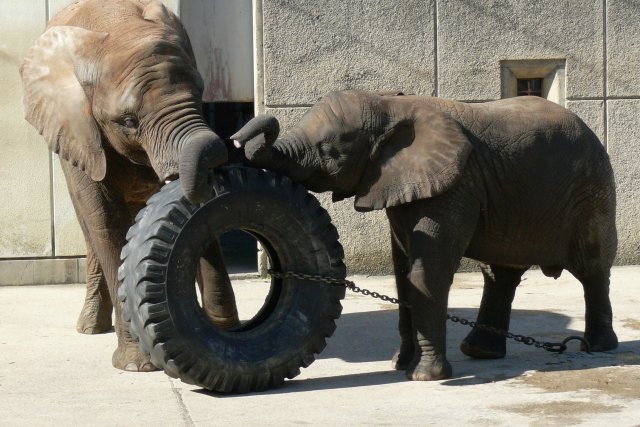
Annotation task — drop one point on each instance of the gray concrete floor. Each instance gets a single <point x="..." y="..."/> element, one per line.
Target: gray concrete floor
<point x="50" y="375"/>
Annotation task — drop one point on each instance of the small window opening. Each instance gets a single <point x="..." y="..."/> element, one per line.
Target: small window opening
<point x="538" y="77"/>
<point x="226" y="118"/>
<point x="530" y="87"/>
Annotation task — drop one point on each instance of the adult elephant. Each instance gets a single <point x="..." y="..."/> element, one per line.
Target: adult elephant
<point x="511" y="183"/>
<point x="113" y="88"/>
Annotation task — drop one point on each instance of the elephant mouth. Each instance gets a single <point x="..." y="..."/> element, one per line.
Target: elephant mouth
<point x="167" y="171"/>
<point x="170" y="178"/>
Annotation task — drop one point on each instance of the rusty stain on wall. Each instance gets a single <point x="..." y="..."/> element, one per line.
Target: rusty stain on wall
<point x="221" y="34"/>
<point x="218" y="80"/>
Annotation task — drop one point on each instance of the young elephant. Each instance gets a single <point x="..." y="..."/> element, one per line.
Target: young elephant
<point x="113" y="88"/>
<point x="511" y="183"/>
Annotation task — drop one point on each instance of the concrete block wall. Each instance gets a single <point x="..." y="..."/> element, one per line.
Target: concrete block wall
<point x="310" y="48"/>
<point x="454" y="49"/>
<point x="622" y="119"/>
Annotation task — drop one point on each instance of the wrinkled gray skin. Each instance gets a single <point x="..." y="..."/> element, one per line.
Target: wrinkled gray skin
<point x="511" y="183"/>
<point x="113" y="88"/>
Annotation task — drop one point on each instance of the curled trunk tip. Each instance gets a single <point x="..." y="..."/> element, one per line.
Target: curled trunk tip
<point x="201" y="153"/>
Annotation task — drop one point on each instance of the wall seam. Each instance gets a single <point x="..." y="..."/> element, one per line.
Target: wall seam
<point x="52" y="203"/>
<point x="283" y="106"/>
<point x="600" y="98"/>
<point x="605" y="82"/>
<point x="258" y="56"/>
<point x="41" y="258"/>
<point x="436" y="91"/>
<point x="52" y="206"/>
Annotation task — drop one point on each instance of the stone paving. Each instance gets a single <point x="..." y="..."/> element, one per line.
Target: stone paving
<point x="51" y="375"/>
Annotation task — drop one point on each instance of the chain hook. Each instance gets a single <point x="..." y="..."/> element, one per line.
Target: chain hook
<point x="555" y="347"/>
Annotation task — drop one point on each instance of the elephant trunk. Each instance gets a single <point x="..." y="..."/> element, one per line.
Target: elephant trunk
<point x="202" y="151"/>
<point x="287" y="155"/>
<point x="292" y="156"/>
<point x="191" y="149"/>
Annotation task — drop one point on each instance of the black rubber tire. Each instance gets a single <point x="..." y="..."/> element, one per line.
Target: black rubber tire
<point x="158" y="289"/>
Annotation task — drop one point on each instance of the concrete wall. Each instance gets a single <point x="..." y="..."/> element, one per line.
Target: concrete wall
<point x="306" y="48"/>
<point x="25" y="211"/>
<point x="454" y="49"/>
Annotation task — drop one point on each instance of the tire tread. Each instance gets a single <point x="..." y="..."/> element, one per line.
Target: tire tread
<point x="143" y="272"/>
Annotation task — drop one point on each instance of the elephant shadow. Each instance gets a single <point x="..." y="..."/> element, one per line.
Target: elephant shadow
<point x="369" y="337"/>
<point x="372" y="337"/>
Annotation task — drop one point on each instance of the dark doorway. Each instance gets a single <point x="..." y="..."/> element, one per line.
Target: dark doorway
<point x="225" y="118"/>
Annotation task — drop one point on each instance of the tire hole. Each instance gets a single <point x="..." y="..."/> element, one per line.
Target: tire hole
<point x="255" y="297"/>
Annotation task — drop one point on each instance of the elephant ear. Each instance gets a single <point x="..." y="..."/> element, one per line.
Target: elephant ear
<point x="54" y="74"/>
<point x="417" y="158"/>
<point x="157" y="12"/>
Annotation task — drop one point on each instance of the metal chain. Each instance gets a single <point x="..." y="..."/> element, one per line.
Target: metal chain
<point x="527" y="340"/>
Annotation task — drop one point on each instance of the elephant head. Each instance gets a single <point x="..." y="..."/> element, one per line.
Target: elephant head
<point x="89" y="92"/>
<point x="384" y="150"/>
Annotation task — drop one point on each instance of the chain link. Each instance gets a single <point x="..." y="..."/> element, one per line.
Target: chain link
<point x="527" y="340"/>
<point x="336" y="282"/>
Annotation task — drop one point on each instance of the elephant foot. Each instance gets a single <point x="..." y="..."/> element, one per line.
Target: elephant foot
<point x="95" y="318"/>
<point x="128" y="357"/>
<point x="402" y="358"/>
<point x="430" y="369"/>
<point x="481" y="344"/>
<point x="603" y="339"/>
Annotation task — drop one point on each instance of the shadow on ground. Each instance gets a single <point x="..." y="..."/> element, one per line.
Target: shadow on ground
<point x="372" y="337"/>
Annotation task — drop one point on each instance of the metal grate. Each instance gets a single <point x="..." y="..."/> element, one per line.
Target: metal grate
<point x="530" y="87"/>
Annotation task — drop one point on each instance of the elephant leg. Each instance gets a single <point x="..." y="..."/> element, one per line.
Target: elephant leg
<point x="218" y="299"/>
<point x="405" y="354"/>
<point x="430" y="279"/>
<point x="593" y="252"/>
<point x="95" y="317"/>
<point x="127" y="355"/>
<point x="598" y="313"/>
<point x="105" y="219"/>
<point x="437" y="234"/>
<point x="495" y="311"/>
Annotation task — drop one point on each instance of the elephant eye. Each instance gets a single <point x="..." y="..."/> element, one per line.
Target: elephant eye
<point x="329" y="150"/>
<point x="129" y="122"/>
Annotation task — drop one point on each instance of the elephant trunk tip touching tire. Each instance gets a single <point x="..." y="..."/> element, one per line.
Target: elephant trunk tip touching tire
<point x="201" y="152"/>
